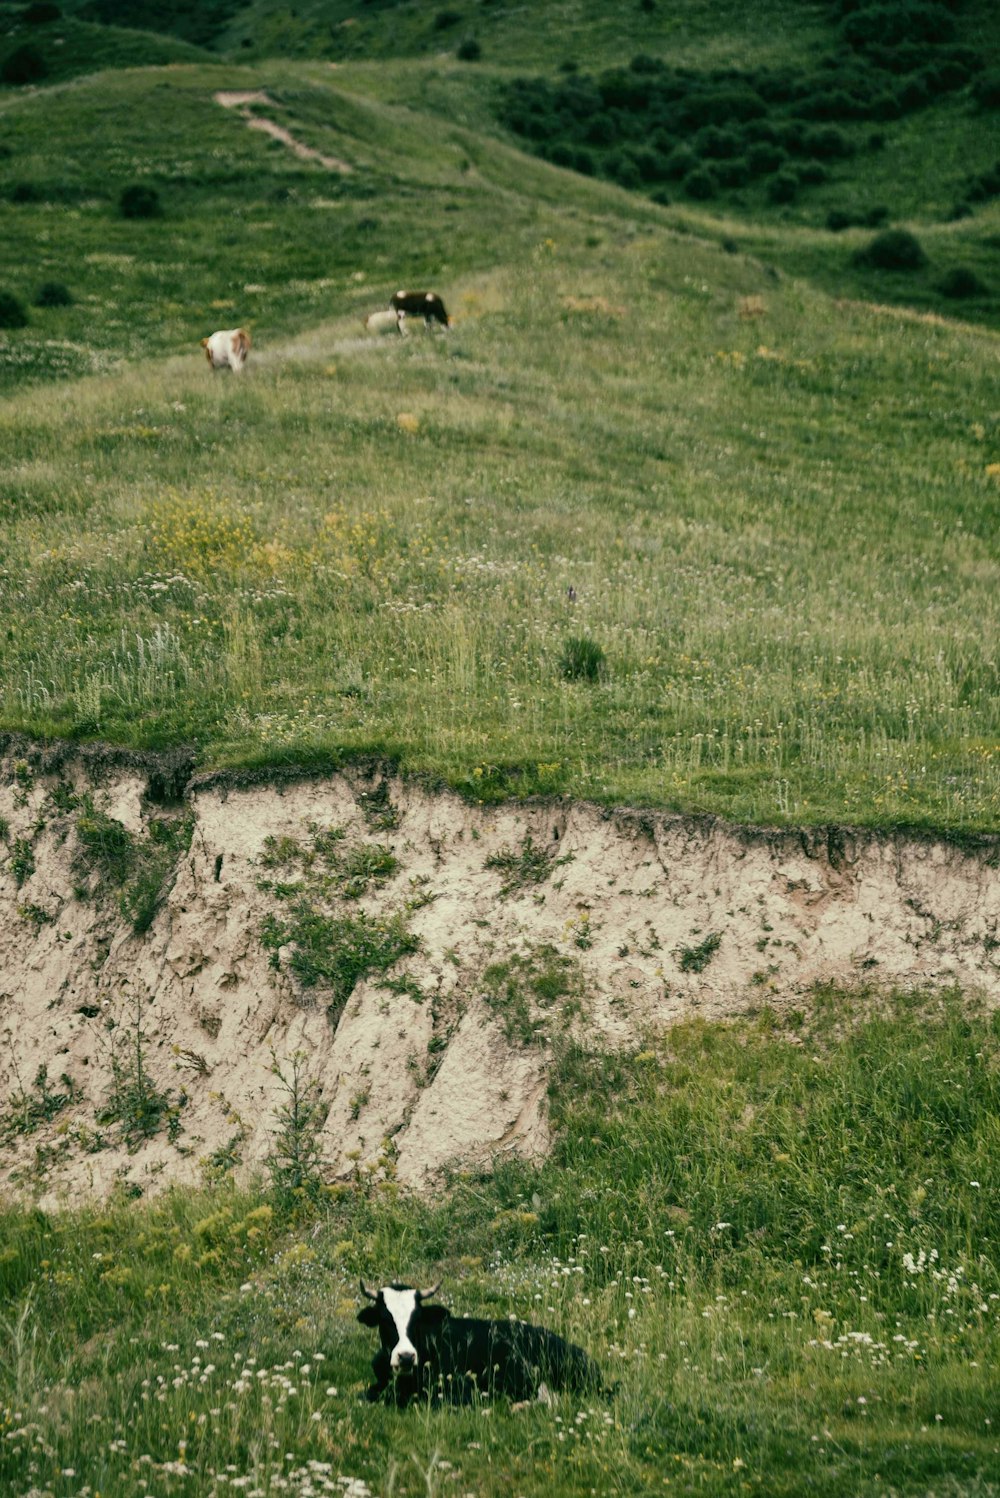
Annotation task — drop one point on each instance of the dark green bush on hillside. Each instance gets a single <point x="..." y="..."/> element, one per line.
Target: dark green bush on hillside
<point x="758" y="117"/>
<point x="716" y="143"/>
<point x="53" y="294"/>
<point x="733" y="172"/>
<point x="894" y="249"/>
<point x="40" y="12"/>
<point x="783" y="187"/>
<point x="986" y="90"/>
<point x="680" y="162"/>
<point x="701" y="184"/>
<point x="197" y="21"/>
<point x="984" y="185"/>
<point x="763" y="158"/>
<point x="811" y="173"/>
<point x="12" y="312"/>
<point x="469" y="50"/>
<point x="826" y="142"/>
<point x="140" y="201"/>
<point x="24" y="65"/>
<point x="961" y="282"/>
<point x="892" y="25"/>
<point x="866" y="218"/>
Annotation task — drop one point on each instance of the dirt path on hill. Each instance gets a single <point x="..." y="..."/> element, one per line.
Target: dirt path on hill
<point x="512" y="925"/>
<point x="234" y="99"/>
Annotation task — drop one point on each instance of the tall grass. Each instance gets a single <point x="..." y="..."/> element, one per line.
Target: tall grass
<point x="776" y="1236"/>
<point x="779" y="532"/>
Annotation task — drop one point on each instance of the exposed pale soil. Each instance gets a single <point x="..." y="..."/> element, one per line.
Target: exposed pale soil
<point x="243" y="100"/>
<point x="410" y="1085"/>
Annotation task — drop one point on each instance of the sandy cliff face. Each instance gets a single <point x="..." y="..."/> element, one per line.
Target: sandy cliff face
<point x="513" y="923"/>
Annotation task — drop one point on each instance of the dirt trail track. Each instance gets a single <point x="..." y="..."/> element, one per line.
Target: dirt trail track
<point x="243" y="100"/>
<point x="653" y="917"/>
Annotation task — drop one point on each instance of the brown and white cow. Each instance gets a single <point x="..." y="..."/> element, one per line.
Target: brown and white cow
<point x="227" y="349"/>
<point x="425" y="304"/>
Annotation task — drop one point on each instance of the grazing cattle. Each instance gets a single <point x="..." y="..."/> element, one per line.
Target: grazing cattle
<point x="378" y="324"/>
<point x="428" y="1353"/>
<point x="425" y="304"/>
<point x="227" y="348"/>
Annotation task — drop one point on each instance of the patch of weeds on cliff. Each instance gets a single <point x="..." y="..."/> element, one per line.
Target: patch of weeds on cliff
<point x="523" y="992"/>
<point x="134" y="1101"/>
<point x="696" y="959"/>
<point x="63" y="798"/>
<point x="523" y="866"/>
<point x="22" y="860"/>
<point x="404" y="985"/>
<point x="141" y="869"/>
<point x="30" y="1107"/>
<point x="377" y="808"/>
<point x="36" y="915"/>
<point x="333" y="952"/>
<point x="327" y="867"/>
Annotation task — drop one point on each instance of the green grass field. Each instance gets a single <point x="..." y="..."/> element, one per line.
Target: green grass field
<point x="779" y="1240"/>
<point x="688" y="509"/>
<point x="776" y="509"/>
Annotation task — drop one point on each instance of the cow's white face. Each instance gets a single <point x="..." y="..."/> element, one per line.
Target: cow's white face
<point x="401" y="1306"/>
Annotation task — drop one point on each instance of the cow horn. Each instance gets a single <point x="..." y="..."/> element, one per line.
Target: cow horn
<point x="426" y="1294"/>
<point x="372" y="1295"/>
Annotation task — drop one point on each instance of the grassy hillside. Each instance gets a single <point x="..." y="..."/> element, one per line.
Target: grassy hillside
<point x="680" y="511"/>
<point x="775" y="511"/>
<point x="778" y="1241"/>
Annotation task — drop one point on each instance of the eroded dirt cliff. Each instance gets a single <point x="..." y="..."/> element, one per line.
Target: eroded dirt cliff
<point x="417" y="954"/>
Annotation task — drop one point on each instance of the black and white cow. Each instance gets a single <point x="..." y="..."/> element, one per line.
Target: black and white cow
<point x="427" y="1352"/>
<point x="425" y="304"/>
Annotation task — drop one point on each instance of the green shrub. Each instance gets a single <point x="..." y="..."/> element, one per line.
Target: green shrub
<point x="961" y="282"/>
<point x="601" y="130"/>
<point x="680" y="162"/>
<point x="893" y="249"/>
<point x="12" y="311"/>
<point x="701" y="184"/>
<point x="890" y="26"/>
<point x="783" y="187"/>
<point x="764" y="158"/>
<point x="986" y="89"/>
<point x="53" y="294"/>
<point x="24" y="65"/>
<point x="984" y="185"/>
<point x="826" y="141"/>
<point x="469" y="50"/>
<point x="732" y="173"/>
<point x="446" y="19"/>
<point x="40" y="12"/>
<point x="650" y="165"/>
<point x="716" y="143"/>
<point x="139" y="201"/>
<point x="623" y="169"/>
<point x="830" y="104"/>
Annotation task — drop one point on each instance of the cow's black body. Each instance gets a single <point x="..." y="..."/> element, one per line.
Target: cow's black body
<point x="425" y="304"/>
<point x="458" y="1358"/>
